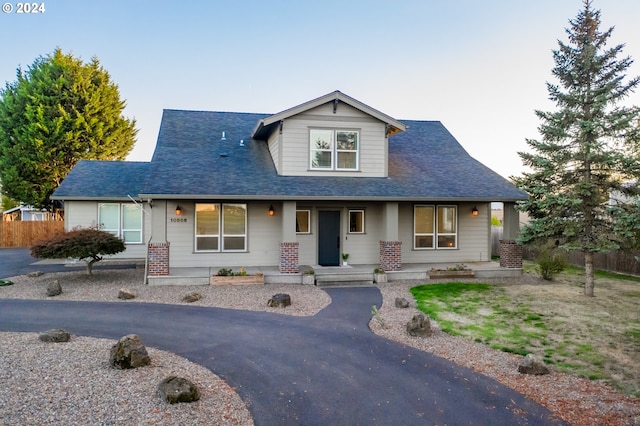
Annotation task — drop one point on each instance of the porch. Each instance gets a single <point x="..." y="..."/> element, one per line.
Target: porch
<point x="333" y="275"/>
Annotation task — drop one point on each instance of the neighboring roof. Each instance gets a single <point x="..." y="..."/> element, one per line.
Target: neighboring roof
<point x="92" y="179"/>
<point x="267" y="125"/>
<point x="426" y="163"/>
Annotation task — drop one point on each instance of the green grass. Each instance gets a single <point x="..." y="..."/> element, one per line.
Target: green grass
<point x="489" y="314"/>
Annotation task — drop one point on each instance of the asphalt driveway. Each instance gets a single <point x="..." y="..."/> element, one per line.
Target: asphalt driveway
<point x="329" y="369"/>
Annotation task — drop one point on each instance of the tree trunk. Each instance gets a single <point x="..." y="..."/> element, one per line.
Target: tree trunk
<point x="90" y="265"/>
<point x="588" y="274"/>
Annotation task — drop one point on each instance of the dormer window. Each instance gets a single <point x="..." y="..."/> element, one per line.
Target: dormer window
<point x="334" y="149"/>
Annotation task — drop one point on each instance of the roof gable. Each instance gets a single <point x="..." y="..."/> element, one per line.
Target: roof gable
<point x="267" y="125"/>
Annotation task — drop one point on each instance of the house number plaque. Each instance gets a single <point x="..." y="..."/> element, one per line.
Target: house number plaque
<point x="178" y="219"/>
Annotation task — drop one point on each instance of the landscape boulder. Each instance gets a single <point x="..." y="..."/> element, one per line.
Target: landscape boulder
<point x="54" y="288"/>
<point x="401" y="302"/>
<point x="279" y="300"/>
<point x="192" y="297"/>
<point x="55" y="335"/>
<point x="419" y="326"/>
<point x="532" y="365"/>
<point x="177" y="389"/>
<point x="126" y="294"/>
<point x="129" y="352"/>
<point x="35" y="274"/>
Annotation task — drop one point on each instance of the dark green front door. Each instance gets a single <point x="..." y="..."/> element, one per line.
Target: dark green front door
<point x="329" y="238"/>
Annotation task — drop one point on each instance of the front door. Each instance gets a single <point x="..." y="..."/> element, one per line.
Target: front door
<point x="329" y="238"/>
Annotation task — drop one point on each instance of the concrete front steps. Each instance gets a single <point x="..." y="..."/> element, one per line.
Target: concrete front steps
<point x="336" y="278"/>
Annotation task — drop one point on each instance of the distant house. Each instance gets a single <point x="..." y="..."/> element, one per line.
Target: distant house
<point x="300" y="187"/>
<point x="26" y="213"/>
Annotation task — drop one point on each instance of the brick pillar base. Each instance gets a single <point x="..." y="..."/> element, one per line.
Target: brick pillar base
<point x="391" y="255"/>
<point x="289" y="258"/>
<point x="510" y="254"/>
<point x="158" y="259"/>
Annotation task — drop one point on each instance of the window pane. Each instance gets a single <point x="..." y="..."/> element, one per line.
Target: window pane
<point x="109" y="215"/>
<point x="207" y="219"/>
<point x="131" y="217"/>
<point x="234" y="219"/>
<point x="322" y="139"/>
<point x="347" y="160"/>
<point x="356" y="221"/>
<point x="424" y="241"/>
<point x="446" y="220"/>
<point x="446" y="241"/>
<point x="347" y="140"/>
<point x="207" y="243"/>
<point x="132" y="236"/>
<point x="302" y="221"/>
<point x="233" y="243"/>
<point x="423" y="219"/>
<point x="321" y="159"/>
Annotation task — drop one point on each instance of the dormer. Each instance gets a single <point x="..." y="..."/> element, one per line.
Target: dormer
<point x="333" y="135"/>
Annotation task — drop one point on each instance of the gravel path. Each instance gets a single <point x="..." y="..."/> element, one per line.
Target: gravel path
<point x="39" y="389"/>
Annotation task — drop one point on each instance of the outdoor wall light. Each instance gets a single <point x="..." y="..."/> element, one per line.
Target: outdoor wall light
<point x="474" y="211"/>
<point x="178" y="210"/>
<point x="272" y="212"/>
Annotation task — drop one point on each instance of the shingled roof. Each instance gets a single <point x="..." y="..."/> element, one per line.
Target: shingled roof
<point x="103" y="180"/>
<point x="191" y="160"/>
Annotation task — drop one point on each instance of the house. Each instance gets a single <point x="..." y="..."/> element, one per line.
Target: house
<point x="300" y="187"/>
<point x="27" y="213"/>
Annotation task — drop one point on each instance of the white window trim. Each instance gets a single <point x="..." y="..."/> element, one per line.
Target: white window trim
<point x="119" y="232"/>
<point x="220" y="235"/>
<point x="363" y="221"/>
<point x="334" y="150"/>
<point x="308" y="212"/>
<point x="435" y="234"/>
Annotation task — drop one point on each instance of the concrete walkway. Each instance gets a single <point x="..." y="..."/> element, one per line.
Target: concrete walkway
<point x="324" y="370"/>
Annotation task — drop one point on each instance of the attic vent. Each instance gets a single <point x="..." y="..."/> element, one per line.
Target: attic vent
<point x="223" y="138"/>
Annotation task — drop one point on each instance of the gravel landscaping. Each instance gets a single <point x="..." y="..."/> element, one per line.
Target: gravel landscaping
<point x="38" y="388"/>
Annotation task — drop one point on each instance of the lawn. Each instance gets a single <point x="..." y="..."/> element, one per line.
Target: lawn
<point x="597" y="338"/>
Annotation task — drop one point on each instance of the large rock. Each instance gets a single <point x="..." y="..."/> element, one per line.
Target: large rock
<point x="129" y="352"/>
<point x="54" y="288"/>
<point x="192" y="297"/>
<point x="55" y="335"/>
<point x="126" y="294"/>
<point x="532" y="365"/>
<point x="280" y="299"/>
<point x="401" y="302"/>
<point x="35" y="274"/>
<point x="419" y="326"/>
<point x="177" y="389"/>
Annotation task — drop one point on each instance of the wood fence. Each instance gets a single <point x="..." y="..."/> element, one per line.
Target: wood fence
<point x="620" y="261"/>
<point x="26" y="233"/>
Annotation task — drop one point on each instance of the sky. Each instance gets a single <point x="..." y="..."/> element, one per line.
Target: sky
<point x="479" y="67"/>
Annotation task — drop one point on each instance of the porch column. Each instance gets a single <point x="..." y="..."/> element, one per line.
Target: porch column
<point x="510" y="251"/>
<point x="158" y="249"/>
<point x="289" y="246"/>
<point x="390" y="245"/>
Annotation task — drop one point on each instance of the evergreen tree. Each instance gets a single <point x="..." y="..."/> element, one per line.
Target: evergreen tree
<point x="58" y="112"/>
<point x="587" y="150"/>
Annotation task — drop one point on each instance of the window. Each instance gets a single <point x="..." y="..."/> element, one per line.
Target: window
<point x="221" y="227"/>
<point x="356" y="221"/>
<point x="122" y="220"/>
<point x="435" y="227"/>
<point x="334" y="149"/>
<point x="303" y="221"/>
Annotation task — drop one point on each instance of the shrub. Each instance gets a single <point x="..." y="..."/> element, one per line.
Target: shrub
<point x="88" y="244"/>
<point x="551" y="263"/>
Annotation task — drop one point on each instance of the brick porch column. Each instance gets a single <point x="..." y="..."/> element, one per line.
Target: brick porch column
<point x="510" y="254"/>
<point x="289" y="257"/>
<point x="391" y="255"/>
<point x="158" y="259"/>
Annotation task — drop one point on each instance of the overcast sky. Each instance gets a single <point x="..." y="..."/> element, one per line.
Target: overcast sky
<point x="479" y="67"/>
